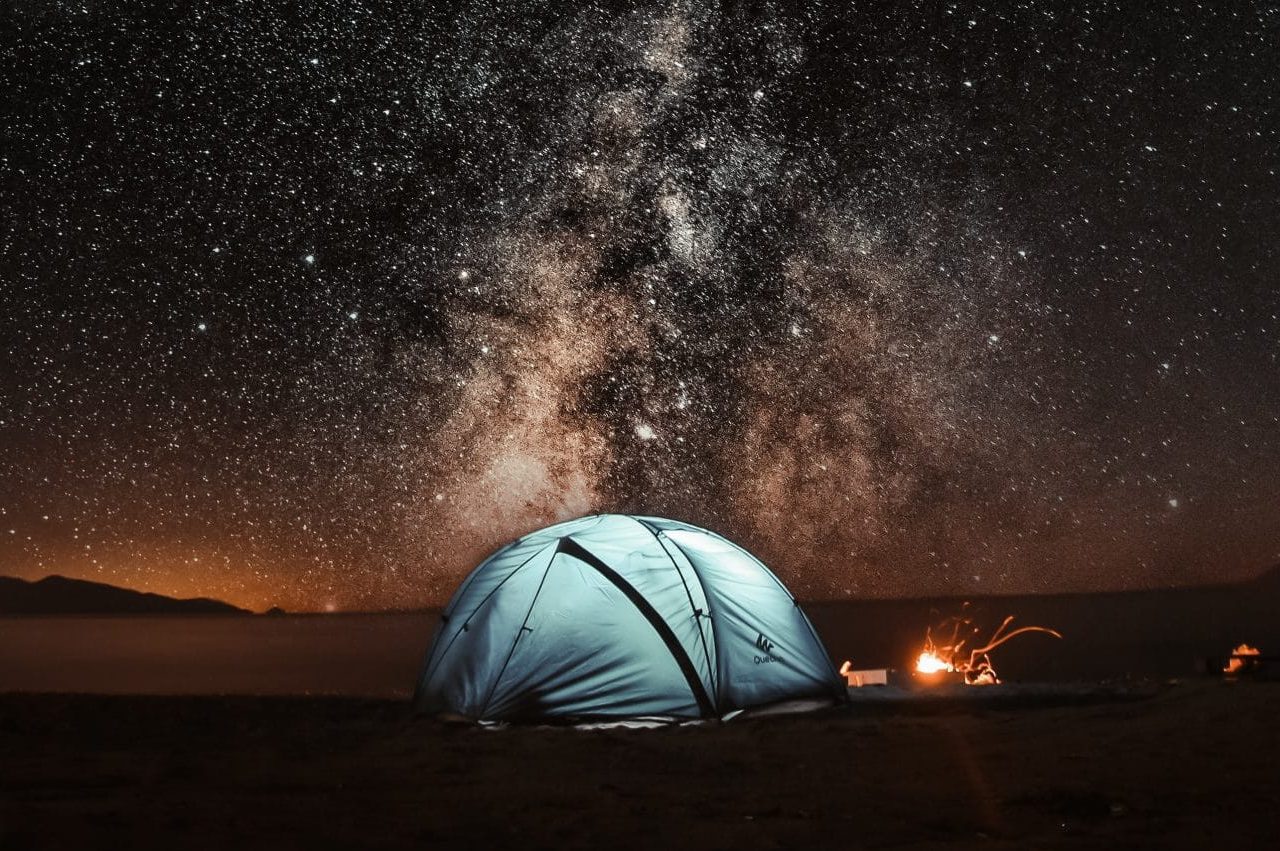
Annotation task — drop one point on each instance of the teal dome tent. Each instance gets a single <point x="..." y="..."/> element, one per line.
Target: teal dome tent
<point x="615" y="616"/>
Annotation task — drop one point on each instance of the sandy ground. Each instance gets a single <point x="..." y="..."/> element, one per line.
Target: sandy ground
<point x="1195" y="765"/>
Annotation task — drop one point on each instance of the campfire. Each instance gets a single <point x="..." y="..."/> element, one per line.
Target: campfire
<point x="961" y="652"/>
<point x="1241" y="659"/>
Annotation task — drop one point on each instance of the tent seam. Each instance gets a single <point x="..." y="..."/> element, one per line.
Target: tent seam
<point x="702" y="586"/>
<point x="484" y="709"/>
<point x="813" y="632"/>
<point x="431" y="670"/>
<point x="715" y="633"/>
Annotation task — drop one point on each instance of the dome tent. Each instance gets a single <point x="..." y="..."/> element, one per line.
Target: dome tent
<point x="614" y="616"/>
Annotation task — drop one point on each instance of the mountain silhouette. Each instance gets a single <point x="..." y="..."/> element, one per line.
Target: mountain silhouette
<point x="58" y="595"/>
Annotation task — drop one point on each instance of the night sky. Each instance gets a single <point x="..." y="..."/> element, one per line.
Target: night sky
<point x="316" y="303"/>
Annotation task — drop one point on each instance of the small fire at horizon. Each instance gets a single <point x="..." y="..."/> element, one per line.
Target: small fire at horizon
<point x="1242" y="659"/>
<point x="961" y="653"/>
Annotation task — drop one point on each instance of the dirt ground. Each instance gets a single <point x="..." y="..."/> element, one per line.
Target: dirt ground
<point x="1196" y="765"/>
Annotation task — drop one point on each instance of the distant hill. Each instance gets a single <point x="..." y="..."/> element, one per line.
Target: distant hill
<point x="58" y="595"/>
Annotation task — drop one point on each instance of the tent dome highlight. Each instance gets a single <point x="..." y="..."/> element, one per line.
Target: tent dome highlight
<point x="616" y="616"/>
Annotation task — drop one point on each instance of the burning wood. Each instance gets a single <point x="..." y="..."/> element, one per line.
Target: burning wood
<point x="963" y="654"/>
<point x="1242" y="659"/>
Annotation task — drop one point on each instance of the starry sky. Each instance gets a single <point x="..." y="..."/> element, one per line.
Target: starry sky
<point x="316" y="303"/>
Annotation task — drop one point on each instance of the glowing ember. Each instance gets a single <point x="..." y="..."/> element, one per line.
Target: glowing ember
<point x="961" y="654"/>
<point x="930" y="663"/>
<point x="1238" y="662"/>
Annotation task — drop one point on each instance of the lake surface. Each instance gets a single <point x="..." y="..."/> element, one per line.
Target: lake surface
<point x="367" y="655"/>
<point x="1145" y="634"/>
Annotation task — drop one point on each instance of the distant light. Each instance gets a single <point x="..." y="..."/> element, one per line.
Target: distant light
<point x="315" y="61"/>
<point x="1173" y="503"/>
<point x="968" y="84"/>
<point x="353" y="315"/>
<point x="202" y="327"/>
<point x="644" y="431"/>
<point x="464" y="275"/>
<point x="993" y="339"/>
<point x="310" y="259"/>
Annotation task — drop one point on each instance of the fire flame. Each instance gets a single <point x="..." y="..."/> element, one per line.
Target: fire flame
<point x="974" y="663"/>
<point x="1236" y="663"/>
<point x="931" y="663"/>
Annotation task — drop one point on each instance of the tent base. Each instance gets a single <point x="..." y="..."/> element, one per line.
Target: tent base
<point x="649" y="722"/>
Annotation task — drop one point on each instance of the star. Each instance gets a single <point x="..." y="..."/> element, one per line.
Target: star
<point x="891" y="338"/>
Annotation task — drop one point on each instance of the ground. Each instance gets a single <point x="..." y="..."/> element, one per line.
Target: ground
<point x="1191" y="765"/>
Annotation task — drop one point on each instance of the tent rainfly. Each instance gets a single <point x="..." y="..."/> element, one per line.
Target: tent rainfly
<point x="615" y="616"/>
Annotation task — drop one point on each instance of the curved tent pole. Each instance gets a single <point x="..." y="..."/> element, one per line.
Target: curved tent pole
<point x="569" y="546"/>
<point x="813" y="633"/>
<point x="711" y="669"/>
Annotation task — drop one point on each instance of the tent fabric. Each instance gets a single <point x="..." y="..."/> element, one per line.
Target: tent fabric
<point x="615" y="616"/>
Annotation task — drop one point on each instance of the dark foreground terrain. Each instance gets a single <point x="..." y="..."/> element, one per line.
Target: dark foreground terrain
<point x="1195" y="765"/>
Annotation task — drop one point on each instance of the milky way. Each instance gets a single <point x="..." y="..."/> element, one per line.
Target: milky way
<point x="314" y="304"/>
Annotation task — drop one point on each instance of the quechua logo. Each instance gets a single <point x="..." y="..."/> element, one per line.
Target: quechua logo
<point x="766" y="654"/>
